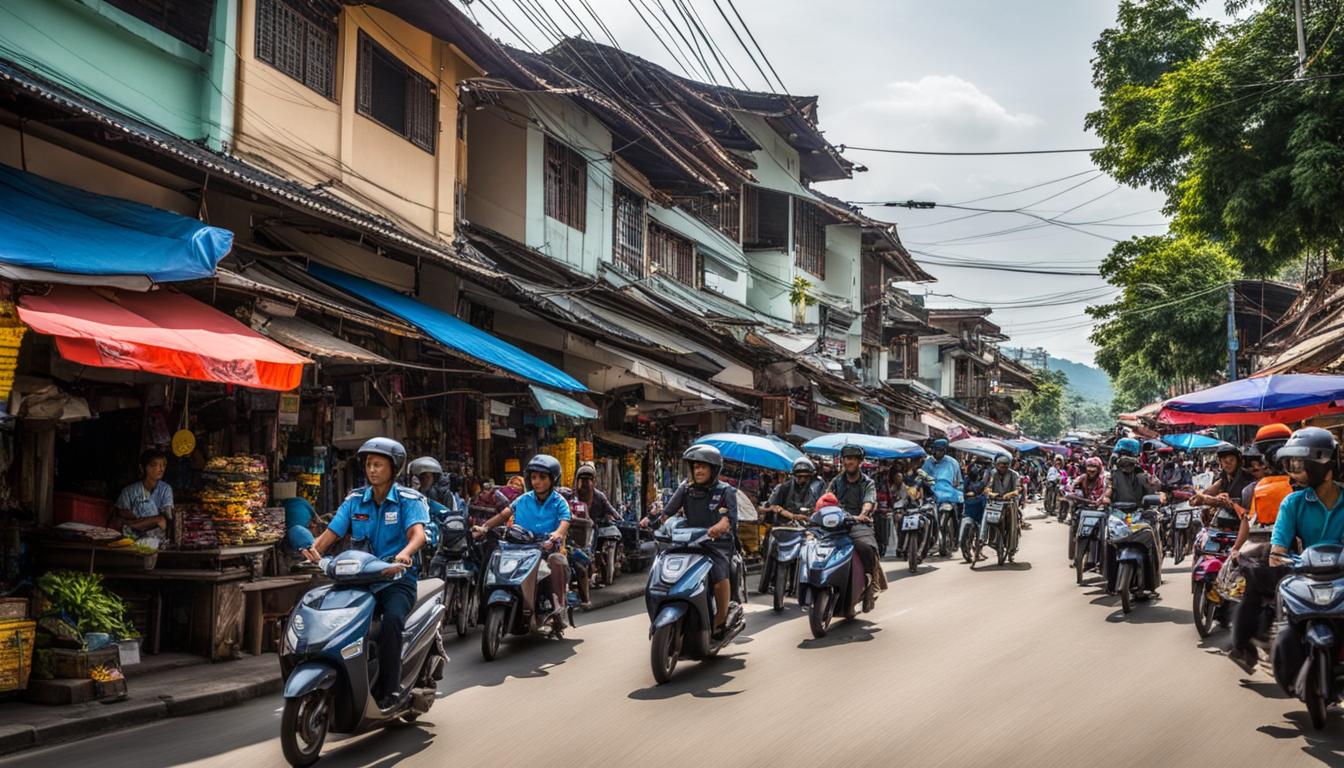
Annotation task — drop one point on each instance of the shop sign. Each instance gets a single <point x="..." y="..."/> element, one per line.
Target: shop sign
<point x="289" y="410"/>
<point x="500" y="409"/>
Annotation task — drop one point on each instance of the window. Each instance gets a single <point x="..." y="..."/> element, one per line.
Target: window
<point x="298" y="42"/>
<point x="627" y="247"/>
<point x="720" y="211"/>
<point x="809" y="238"/>
<point x="765" y="219"/>
<point x="566" y="184"/>
<point x="673" y="255"/>
<point x="389" y="93"/>
<point x="186" y="20"/>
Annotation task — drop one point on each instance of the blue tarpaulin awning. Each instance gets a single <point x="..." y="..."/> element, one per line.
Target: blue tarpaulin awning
<point x="54" y="228"/>
<point x="451" y="331"/>
<point x="553" y="402"/>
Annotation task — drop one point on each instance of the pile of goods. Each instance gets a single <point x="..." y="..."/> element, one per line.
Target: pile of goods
<point x="234" y="493"/>
<point x="104" y="673"/>
<point x="309" y="487"/>
<point x="198" y="528"/>
<point x="270" y="523"/>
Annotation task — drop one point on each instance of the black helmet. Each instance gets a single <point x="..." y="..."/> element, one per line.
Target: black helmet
<point x="1312" y="444"/>
<point x="425" y="464"/>
<point x="384" y="446"/>
<point x="804" y="464"/>
<point x="1227" y="449"/>
<point x="586" y="469"/>
<point x="1252" y="453"/>
<point x="704" y="454"/>
<point x="852" y="450"/>
<point x="545" y="464"/>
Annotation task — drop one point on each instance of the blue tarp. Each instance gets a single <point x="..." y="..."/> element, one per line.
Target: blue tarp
<point x="54" y="227"/>
<point x="452" y="332"/>
<point x="1192" y="441"/>
<point x="552" y="402"/>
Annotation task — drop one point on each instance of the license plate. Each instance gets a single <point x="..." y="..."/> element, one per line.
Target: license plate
<point x="910" y="523"/>
<point x="993" y="515"/>
<point x="1182" y="519"/>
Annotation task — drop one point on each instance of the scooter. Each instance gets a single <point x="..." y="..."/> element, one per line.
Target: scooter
<point x="1210" y="605"/>
<point x="779" y="574"/>
<point x="947" y="527"/>
<point x="1088" y="541"/>
<point x="998" y="529"/>
<point x="1132" y="540"/>
<point x="329" y="656"/>
<point x="915" y="533"/>
<point x="639" y="546"/>
<point x="458" y="562"/>
<point x="832" y="577"/>
<point x="517" y="586"/>
<point x="680" y="600"/>
<point x="1312" y="604"/>
<point x="608" y="553"/>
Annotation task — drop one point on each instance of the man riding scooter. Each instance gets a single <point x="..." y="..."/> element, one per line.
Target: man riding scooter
<point x="388" y="521"/>
<point x="857" y="494"/>
<point x="946" y="474"/>
<point x="707" y="502"/>
<point x="1006" y="485"/>
<point x="792" y="501"/>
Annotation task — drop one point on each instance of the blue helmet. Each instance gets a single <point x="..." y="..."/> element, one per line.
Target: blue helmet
<point x="1126" y="447"/>
<point x="939" y="445"/>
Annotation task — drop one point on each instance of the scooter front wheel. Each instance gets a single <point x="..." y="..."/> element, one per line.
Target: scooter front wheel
<point x="664" y="650"/>
<point x="1204" y="610"/>
<point x="781" y="586"/>
<point x="1315" y="691"/>
<point x="1124" y="581"/>
<point x="494" y="631"/>
<point x="912" y="550"/>
<point x="1079" y="563"/>
<point x="303" y="727"/>
<point x="820" y="617"/>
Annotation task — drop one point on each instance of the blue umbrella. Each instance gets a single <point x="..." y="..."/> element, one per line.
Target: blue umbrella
<point x="979" y="446"/>
<point x="875" y="446"/>
<point x="1191" y="441"/>
<point x="757" y="450"/>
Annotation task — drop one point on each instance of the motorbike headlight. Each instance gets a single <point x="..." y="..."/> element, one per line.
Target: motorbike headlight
<point x="291" y="639"/>
<point x="1324" y="593"/>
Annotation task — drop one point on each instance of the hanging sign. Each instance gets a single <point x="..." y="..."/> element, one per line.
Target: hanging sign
<point x="289" y="410"/>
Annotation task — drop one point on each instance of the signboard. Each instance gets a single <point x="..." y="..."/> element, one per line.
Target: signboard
<point x="289" y="410"/>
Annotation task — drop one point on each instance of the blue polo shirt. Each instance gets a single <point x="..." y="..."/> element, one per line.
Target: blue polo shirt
<point x="947" y="479"/>
<point x="540" y="517"/>
<point x="1304" y="516"/>
<point x="380" y="529"/>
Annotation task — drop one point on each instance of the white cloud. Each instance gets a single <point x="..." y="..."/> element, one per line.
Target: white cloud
<point x="941" y="111"/>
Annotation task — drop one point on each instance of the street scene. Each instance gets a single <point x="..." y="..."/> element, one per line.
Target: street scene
<point x="643" y="382"/>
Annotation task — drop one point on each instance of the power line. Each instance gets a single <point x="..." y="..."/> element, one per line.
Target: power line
<point x="761" y="50"/>
<point x="888" y="151"/>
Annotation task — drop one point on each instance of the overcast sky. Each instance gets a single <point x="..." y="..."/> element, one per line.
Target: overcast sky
<point x="951" y="75"/>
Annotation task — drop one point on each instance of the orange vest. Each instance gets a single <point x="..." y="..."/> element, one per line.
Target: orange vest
<point x="1269" y="494"/>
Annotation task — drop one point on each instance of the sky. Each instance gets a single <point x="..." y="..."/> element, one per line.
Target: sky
<point x="947" y="76"/>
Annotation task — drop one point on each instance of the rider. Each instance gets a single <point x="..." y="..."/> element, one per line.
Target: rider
<point x="946" y="474"/>
<point x="1315" y="515"/>
<point x="542" y="511"/>
<point x="708" y="502"/>
<point x="857" y="494"/>
<point x="1231" y="481"/>
<point x="1005" y="484"/>
<point x="430" y="480"/>
<point x="585" y="490"/>
<point x="794" y="499"/>
<point x="1091" y="485"/>
<point x="388" y="521"/>
<point x="1129" y="484"/>
<point x="977" y="481"/>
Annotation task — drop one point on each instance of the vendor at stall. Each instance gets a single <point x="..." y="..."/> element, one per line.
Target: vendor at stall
<point x="145" y="506"/>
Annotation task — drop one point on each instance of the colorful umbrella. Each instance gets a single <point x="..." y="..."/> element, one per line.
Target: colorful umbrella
<point x="757" y="450"/>
<point x="875" y="446"/>
<point x="979" y="446"/>
<point x="1262" y="400"/>
<point x="1191" y="441"/>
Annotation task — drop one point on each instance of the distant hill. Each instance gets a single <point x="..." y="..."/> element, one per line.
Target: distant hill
<point x="1091" y="383"/>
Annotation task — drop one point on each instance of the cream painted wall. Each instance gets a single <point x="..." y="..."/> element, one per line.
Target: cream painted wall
<point x="497" y="179"/>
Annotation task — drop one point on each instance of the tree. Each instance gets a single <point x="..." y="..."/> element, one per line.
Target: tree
<point x="1211" y="116"/>
<point x="1040" y="413"/>
<point x="1169" y="318"/>
<point x="1085" y="414"/>
<point x="1135" y="387"/>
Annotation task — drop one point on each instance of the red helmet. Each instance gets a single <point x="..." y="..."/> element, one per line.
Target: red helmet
<point x="827" y="500"/>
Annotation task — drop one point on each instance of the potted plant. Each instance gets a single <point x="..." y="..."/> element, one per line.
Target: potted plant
<point x="800" y="296"/>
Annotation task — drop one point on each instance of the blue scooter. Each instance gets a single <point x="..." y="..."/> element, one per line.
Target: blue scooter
<point x="680" y="600"/>
<point x="832" y="577"/>
<point x="1312" y="604"/>
<point x="518" y="592"/>
<point x="458" y="562"/>
<point x="329" y="656"/>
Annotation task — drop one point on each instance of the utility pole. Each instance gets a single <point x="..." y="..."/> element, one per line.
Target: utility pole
<point x="1232" y="331"/>
<point x="1301" y="41"/>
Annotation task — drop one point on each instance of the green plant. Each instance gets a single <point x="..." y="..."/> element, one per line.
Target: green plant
<point x="800" y="292"/>
<point x="83" y="597"/>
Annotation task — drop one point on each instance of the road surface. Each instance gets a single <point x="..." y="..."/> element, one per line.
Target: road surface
<point x="1007" y="667"/>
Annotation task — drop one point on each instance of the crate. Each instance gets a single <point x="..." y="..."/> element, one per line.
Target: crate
<point x="74" y="508"/>
<point x="16" y="653"/>
<point x="113" y="690"/>
<point x="13" y="608"/>
<point x="78" y="664"/>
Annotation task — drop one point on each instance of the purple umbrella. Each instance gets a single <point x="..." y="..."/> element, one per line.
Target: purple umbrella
<point x="1262" y="400"/>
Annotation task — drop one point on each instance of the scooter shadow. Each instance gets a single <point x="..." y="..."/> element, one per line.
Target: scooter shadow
<point x="844" y="632"/>
<point x="1146" y="612"/>
<point x="697" y="679"/>
<point x="987" y="567"/>
<point x="523" y="657"/>
<point x="1319" y="744"/>
<point x="381" y="748"/>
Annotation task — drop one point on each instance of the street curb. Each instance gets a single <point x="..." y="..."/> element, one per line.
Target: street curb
<point x="136" y="713"/>
<point x="16" y="737"/>
<point x="227" y="697"/>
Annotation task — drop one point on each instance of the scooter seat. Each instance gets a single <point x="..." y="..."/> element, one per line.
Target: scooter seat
<point x="426" y="589"/>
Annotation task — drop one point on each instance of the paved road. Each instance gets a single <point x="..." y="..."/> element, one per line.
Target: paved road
<point x="1010" y="667"/>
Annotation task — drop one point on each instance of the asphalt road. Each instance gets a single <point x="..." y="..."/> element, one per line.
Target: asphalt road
<point x="1007" y="667"/>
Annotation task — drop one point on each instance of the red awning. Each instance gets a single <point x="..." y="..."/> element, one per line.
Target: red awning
<point x="164" y="332"/>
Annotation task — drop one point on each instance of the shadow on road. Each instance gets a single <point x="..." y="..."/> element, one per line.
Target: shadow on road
<point x="990" y="567"/>
<point x="521" y="657"/>
<point x="697" y="679"/>
<point x="1148" y="613"/>
<point x="1266" y="688"/>
<point x="382" y="748"/>
<point x="844" y="632"/>
<point x="1319" y="744"/>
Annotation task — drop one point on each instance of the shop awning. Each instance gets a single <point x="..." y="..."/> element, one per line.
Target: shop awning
<point x="453" y="332"/>
<point x="552" y="402"/>
<point x="663" y="376"/>
<point x="57" y="229"/>
<point x="166" y="333"/>
<point x="623" y="440"/>
<point x="302" y="335"/>
<point x="990" y="427"/>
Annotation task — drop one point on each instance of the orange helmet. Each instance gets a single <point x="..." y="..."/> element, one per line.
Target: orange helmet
<point x="1273" y="432"/>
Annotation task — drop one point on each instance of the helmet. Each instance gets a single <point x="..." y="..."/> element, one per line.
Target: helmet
<point x="384" y="446"/>
<point x="545" y="464"/>
<point x="1003" y="458"/>
<point x="1269" y="439"/>
<point x="1227" y="449"/>
<point x="827" y="499"/>
<point x="1094" y="461"/>
<point x="938" y="445"/>
<point x="425" y="464"/>
<point x="1127" y="446"/>
<point x="1252" y="452"/>
<point x="1312" y="444"/>
<point x="705" y="454"/>
<point x="586" y="469"/>
<point x="852" y="450"/>
<point x="804" y="464"/>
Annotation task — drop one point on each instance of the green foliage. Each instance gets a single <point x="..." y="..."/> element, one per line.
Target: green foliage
<point x="800" y="292"/>
<point x="83" y="597"/>
<point x="1085" y="414"/>
<point x="1209" y="115"/>
<point x="1040" y="414"/>
<point x="1170" y="316"/>
<point x="1135" y="387"/>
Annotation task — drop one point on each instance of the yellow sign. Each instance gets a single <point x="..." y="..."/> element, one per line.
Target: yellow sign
<point x="184" y="442"/>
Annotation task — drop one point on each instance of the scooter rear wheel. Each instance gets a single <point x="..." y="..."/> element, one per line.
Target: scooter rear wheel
<point x="609" y="564"/>
<point x="303" y="727"/>
<point x="664" y="650"/>
<point x="1205" y="611"/>
<point x="494" y="631"/>
<point x="1003" y="547"/>
<point x="912" y="549"/>
<point x="1124" y="580"/>
<point x="820" y="617"/>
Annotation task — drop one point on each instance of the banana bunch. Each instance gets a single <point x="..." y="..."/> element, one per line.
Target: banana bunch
<point x="105" y="674"/>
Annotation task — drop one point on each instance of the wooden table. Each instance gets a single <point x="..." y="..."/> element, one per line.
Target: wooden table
<point x="273" y="597"/>
<point x="215" y="634"/>
<point x="89" y="557"/>
<point x="217" y="557"/>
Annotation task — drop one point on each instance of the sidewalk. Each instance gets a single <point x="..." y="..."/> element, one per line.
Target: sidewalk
<point x="169" y="685"/>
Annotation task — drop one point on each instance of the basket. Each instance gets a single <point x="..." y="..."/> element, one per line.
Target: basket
<point x="78" y="664"/>
<point x="13" y="608"/>
<point x="16" y="653"/>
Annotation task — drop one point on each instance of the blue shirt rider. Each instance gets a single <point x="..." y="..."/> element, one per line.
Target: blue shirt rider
<point x="388" y="521"/>
<point x="946" y="474"/>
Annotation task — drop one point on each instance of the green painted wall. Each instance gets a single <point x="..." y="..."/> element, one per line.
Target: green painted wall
<point x="130" y="66"/>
